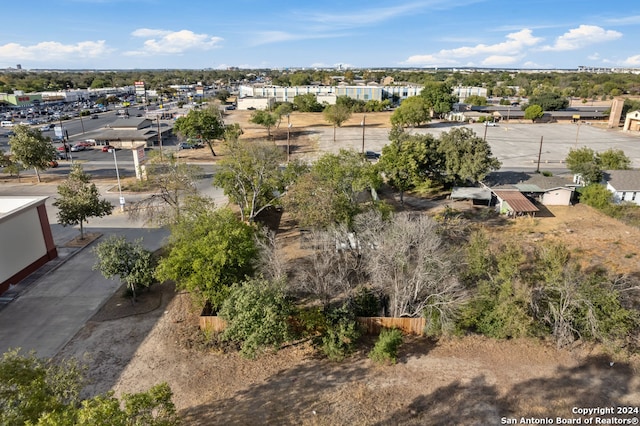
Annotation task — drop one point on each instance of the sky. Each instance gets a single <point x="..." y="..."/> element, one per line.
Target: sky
<point x="280" y="34"/>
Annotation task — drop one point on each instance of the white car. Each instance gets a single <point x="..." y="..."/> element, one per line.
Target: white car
<point x="491" y="124"/>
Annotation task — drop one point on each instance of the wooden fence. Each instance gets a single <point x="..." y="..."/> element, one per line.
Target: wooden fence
<point x="372" y="325"/>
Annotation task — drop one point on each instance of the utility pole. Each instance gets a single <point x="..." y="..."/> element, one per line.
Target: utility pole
<point x="364" y="117"/>
<point x="539" y="155"/>
<point x="288" y="138"/>
<point x="160" y="137"/>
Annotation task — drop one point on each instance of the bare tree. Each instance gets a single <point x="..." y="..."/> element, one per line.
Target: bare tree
<point x="172" y="183"/>
<point x="331" y="269"/>
<point x="406" y="259"/>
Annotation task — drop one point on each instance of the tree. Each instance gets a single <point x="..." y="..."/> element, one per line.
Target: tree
<point x="328" y="193"/>
<point x="257" y="312"/>
<point x="264" y="118"/>
<point x="251" y="176"/>
<point x="284" y="109"/>
<point x="533" y="112"/>
<point x="130" y="261"/>
<point x="223" y="95"/>
<point x="209" y="251"/>
<point x="596" y="195"/>
<point x="438" y="97"/>
<point x="549" y="101"/>
<point x="413" y="111"/>
<point x="408" y="160"/>
<point x="204" y="124"/>
<point x="406" y="260"/>
<point x="476" y="100"/>
<point x="32" y="149"/>
<point x="173" y="184"/>
<point x="38" y="391"/>
<point x="336" y="115"/>
<point x="78" y="200"/>
<point x="307" y="103"/>
<point x="583" y="161"/>
<point x="466" y="156"/>
<point x="613" y="159"/>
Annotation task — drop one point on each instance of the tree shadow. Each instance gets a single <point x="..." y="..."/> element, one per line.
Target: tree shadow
<point x="596" y="382"/>
<point x="283" y="399"/>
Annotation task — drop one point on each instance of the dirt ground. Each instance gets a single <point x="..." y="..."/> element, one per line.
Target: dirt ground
<point x="471" y="380"/>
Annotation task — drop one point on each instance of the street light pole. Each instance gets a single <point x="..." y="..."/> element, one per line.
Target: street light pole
<point x="577" y="133"/>
<point x="115" y="161"/>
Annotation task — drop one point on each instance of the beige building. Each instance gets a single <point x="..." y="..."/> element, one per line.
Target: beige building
<point x="632" y="121"/>
<point x="27" y="241"/>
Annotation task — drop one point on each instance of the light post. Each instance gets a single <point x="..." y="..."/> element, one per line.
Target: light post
<point x="362" y="123"/>
<point x="577" y="133"/>
<point x="115" y="161"/>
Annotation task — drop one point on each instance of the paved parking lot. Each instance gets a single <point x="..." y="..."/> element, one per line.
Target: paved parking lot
<point x="515" y="145"/>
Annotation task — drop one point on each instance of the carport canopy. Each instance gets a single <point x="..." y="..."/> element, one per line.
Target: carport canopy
<point x="470" y="193"/>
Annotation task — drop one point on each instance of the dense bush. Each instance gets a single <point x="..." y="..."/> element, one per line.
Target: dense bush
<point x="387" y="345"/>
<point x="340" y="335"/>
<point x="257" y="312"/>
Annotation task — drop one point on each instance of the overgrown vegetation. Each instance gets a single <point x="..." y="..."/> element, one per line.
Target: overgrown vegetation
<point x="386" y="347"/>
<point x="36" y="391"/>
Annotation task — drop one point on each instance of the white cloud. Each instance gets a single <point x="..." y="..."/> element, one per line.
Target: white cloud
<point x="508" y="51"/>
<point x="172" y="42"/>
<point x="594" y="57"/>
<point x="54" y="51"/>
<point x="632" y="61"/>
<point x="582" y="36"/>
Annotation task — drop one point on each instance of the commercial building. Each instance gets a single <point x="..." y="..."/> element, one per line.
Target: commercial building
<point x="27" y="241"/>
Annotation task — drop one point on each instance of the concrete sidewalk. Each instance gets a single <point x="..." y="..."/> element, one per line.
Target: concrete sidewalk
<point x="49" y="307"/>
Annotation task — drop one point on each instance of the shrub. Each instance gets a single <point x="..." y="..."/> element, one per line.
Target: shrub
<point x="257" y="313"/>
<point x="386" y="348"/>
<point x="340" y="335"/>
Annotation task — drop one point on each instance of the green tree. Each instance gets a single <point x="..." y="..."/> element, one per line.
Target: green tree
<point x="407" y="160"/>
<point x="131" y="262"/>
<point x="32" y="149"/>
<point x="439" y="97"/>
<point x="413" y="111"/>
<point x="264" y="118"/>
<point x="596" y="195"/>
<point x="38" y="391"/>
<point x="476" y="100"/>
<point x="251" y="176"/>
<point x="209" y="251"/>
<point x="533" y="112"/>
<point x="466" y="156"/>
<point x="204" y="124"/>
<point x="300" y="79"/>
<point x="257" y="314"/>
<point x="328" y="193"/>
<point x="583" y="161"/>
<point x="336" y="115"/>
<point x="613" y="159"/>
<point x="78" y="200"/>
<point x="282" y="110"/>
<point x="223" y="95"/>
<point x="307" y="103"/>
<point x="549" y="101"/>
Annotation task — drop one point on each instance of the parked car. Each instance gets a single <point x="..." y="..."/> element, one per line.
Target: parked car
<point x="107" y="148"/>
<point x="491" y="124"/>
<point x="63" y="148"/>
<point x="185" y="145"/>
<point x="62" y="155"/>
<point x="53" y="164"/>
<point x="78" y="147"/>
<point x="47" y="127"/>
<point x="86" y="144"/>
<point x="94" y="116"/>
<point x="372" y="155"/>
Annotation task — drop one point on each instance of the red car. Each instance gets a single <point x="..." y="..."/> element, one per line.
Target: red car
<point x="107" y="148"/>
<point x="53" y="164"/>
